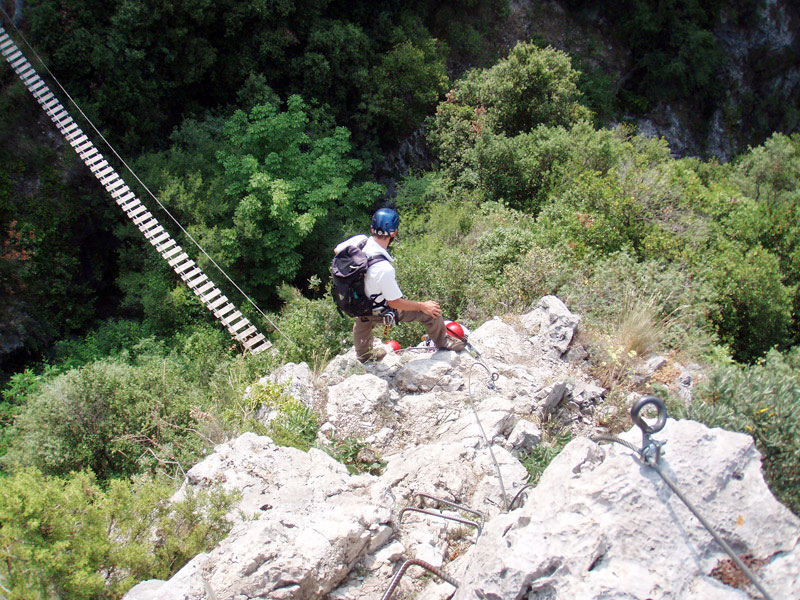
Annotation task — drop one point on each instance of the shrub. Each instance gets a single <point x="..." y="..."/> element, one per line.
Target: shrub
<point x="311" y="330"/>
<point x="72" y="538"/>
<point x="754" y="307"/>
<point x="763" y="401"/>
<point x="114" y="418"/>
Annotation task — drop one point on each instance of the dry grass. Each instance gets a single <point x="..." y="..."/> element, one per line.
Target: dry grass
<point x="636" y="335"/>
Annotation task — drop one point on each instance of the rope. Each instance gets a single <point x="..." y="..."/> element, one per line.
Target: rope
<point x="144" y="186"/>
<point x="650" y="459"/>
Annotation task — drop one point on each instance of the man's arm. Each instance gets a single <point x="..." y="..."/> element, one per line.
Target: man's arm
<point x="430" y="307"/>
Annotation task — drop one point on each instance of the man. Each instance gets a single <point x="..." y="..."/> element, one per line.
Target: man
<point x="380" y="284"/>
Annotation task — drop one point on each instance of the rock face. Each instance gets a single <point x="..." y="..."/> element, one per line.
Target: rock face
<point x="602" y="525"/>
<point x="599" y="524"/>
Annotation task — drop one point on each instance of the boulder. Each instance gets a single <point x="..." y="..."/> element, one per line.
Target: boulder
<point x="551" y="326"/>
<point x="303" y="522"/>
<point x="601" y="524"/>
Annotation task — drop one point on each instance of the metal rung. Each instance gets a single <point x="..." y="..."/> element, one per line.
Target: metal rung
<point x="137" y="211"/>
<point x="183" y="267"/>
<point x="228" y="320"/>
<point x="242" y="336"/>
<point x="14" y="56"/>
<point x="142" y="218"/>
<point x="9" y="42"/>
<point x="209" y="297"/>
<point x="64" y="125"/>
<point x="158" y="240"/>
<point x="79" y="141"/>
<point x="18" y="64"/>
<point x="72" y="131"/>
<point x="83" y="145"/>
<point x="178" y="259"/>
<point x="172" y="252"/>
<point x="50" y="104"/>
<point x="191" y="274"/>
<point x="218" y="302"/>
<point x="59" y="114"/>
<point x="206" y="287"/>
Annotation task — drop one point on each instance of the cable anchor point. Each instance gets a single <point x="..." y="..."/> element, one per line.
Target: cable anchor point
<point x="651" y="449"/>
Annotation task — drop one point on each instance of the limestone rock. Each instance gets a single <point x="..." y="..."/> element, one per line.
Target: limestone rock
<point x="523" y="437"/>
<point x="297" y="378"/>
<point x="306" y="523"/>
<point x="552" y="325"/>
<point x="600" y="524"/>
<point x="355" y="403"/>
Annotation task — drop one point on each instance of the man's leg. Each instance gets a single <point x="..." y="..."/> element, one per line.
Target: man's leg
<point x="362" y="336"/>
<point x="435" y="328"/>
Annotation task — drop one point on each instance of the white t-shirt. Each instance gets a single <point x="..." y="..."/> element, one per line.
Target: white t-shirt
<point x="380" y="278"/>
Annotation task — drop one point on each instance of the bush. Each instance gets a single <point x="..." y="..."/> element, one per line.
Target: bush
<point x="762" y="401"/>
<point x="754" y="307"/>
<point x="72" y="538"/>
<point x="114" y="418"/>
<point x="313" y="331"/>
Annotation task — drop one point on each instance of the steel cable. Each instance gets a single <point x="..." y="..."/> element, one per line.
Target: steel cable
<point x="650" y="460"/>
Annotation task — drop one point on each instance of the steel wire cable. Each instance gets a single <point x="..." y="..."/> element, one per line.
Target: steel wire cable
<point x="144" y="186"/>
<point x="483" y="432"/>
<point x="649" y="460"/>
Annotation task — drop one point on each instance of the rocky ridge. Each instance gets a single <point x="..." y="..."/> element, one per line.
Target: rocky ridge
<point x="599" y="524"/>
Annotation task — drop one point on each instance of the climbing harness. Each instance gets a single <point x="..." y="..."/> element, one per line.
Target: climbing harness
<point x="192" y="275"/>
<point x="650" y="454"/>
<point x="480" y="515"/>
<point x="420" y="563"/>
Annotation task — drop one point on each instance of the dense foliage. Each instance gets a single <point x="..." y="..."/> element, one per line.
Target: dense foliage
<point x="278" y="113"/>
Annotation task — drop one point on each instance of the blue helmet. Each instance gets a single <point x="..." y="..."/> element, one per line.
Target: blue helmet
<point x="385" y="221"/>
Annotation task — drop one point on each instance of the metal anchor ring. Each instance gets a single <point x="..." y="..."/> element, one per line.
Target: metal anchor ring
<point x="661" y="417"/>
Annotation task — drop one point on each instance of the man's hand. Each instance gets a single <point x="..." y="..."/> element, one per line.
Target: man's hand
<point x="431" y="308"/>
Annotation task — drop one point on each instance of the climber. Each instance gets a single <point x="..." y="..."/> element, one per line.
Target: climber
<point x="388" y="303"/>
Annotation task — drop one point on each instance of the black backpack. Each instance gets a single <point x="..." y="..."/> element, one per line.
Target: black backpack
<point x="347" y="281"/>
